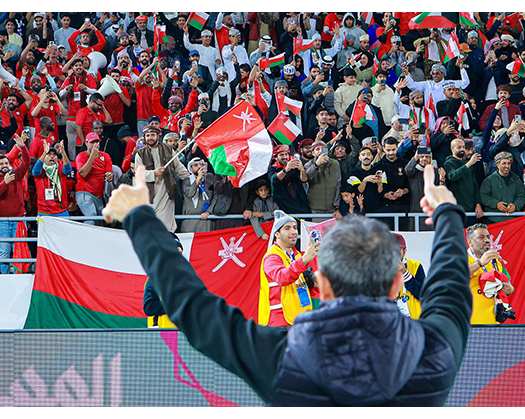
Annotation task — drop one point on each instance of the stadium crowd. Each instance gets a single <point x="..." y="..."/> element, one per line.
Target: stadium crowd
<point x="380" y="98"/>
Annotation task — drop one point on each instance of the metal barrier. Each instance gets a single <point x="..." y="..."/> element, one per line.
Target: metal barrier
<point x="395" y="216"/>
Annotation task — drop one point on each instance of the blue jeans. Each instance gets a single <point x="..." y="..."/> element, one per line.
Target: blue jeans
<point x="89" y="204"/>
<point x="8" y="230"/>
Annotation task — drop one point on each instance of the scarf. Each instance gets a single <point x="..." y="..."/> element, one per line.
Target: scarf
<point x="51" y="172"/>
<point x="201" y="189"/>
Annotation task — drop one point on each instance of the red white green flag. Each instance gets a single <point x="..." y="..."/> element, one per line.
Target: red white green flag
<point x="271" y="62"/>
<point x="237" y="144"/>
<point x="467" y="19"/>
<point x="361" y="113"/>
<point x="286" y="104"/>
<point x="300" y="45"/>
<point x="516" y="67"/>
<point x="462" y="117"/>
<point x="159" y="36"/>
<point x="452" y="51"/>
<point x="431" y="105"/>
<point x="430" y="20"/>
<point x="198" y="19"/>
<point x="283" y="129"/>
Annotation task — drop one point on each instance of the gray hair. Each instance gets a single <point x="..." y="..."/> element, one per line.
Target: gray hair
<point x="502" y="155"/>
<point x="359" y="256"/>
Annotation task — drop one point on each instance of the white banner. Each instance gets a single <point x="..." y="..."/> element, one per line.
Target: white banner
<point x="15" y="297"/>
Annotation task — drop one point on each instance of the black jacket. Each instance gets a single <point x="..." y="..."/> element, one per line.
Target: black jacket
<point x="352" y="351"/>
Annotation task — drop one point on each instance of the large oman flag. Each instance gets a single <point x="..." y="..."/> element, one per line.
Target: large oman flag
<point x="237" y="144"/>
<point x="90" y="277"/>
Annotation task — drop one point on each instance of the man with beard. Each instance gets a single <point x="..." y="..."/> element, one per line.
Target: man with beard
<point x="502" y="191"/>
<point x="395" y="190"/>
<point x="84" y="46"/>
<point x="26" y="65"/>
<point x="305" y="150"/>
<point x="46" y="134"/>
<point x="94" y="170"/>
<point x="12" y="202"/>
<point x="315" y="55"/>
<point x="143" y="34"/>
<point x="461" y="178"/>
<point x="19" y="111"/>
<point x="161" y="181"/>
<point x="234" y="53"/>
<point x="94" y="111"/>
<point x="75" y="89"/>
<point x="322" y="130"/>
<point x="375" y="127"/>
<point x="143" y="62"/>
<point x="450" y="105"/>
<point x="287" y="180"/>
<point x="434" y="87"/>
<point x="170" y="122"/>
<point x="367" y="180"/>
<point x="144" y="90"/>
<point x="206" y="114"/>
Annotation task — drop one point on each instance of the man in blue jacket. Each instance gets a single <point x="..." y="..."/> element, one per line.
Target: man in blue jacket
<point x="357" y="348"/>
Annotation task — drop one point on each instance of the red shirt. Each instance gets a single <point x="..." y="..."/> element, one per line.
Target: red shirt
<point x="331" y="20"/>
<point x="94" y="181"/>
<point x="86" y="117"/>
<point x="52" y="111"/>
<point x="99" y="46"/>
<point x="51" y="206"/>
<point x="37" y="145"/>
<point x="131" y="145"/>
<point x="19" y="114"/>
<point x="115" y="106"/>
<point x="143" y="93"/>
<point x="222" y="36"/>
<point x="12" y="203"/>
<point x="73" y="99"/>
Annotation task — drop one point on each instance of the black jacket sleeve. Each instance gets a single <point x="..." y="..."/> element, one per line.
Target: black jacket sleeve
<point x="152" y="304"/>
<point x="445" y="297"/>
<point x="212" y="327"/>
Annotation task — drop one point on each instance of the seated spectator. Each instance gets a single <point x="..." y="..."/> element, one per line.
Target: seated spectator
<point x="350" y="204"/>
<point x="263" y="208"/>
<point x="502" y="191"/>
<point x="50" y="181"/>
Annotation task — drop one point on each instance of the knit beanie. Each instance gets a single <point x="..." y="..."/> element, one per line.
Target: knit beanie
<point x="280" y="219"/>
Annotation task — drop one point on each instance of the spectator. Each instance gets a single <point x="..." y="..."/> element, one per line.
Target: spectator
<point x="83" y="34"/>
<point x="45" y="135"/>
<point x="371" y="127"/>
<point x="350" y="204"/>
<point x="161" y="179"/>
<point x="444" y="132"/>
<point x="94" y="169"/>
<point x="510" y="140"/>
<point x="94" y="111"/>
<point x="367" y="180"/>
<point x="502" y="191"/>
<point x="346" y="93"/>
<point x="324" y="180"/>
<point x="64" y="33"/>
<point x="507" y="112"/>
<point x="198" y="193"/>
<point x="450" y="105"/>
<point x="50" y="181"/>
<point x="306" y="150"/>
<point x="11" y="198"/>
<point x="395" y="191"/>
<point x="461" y="178"/>
<point x="263" y="208"/>
<point x="383" y="98"/>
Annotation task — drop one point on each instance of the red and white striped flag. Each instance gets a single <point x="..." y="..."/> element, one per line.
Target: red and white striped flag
<point x="452" y="51"/>
<point x="462" y="117"/>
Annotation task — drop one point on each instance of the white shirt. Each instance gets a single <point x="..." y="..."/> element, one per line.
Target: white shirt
<point x="436" y="89"/>
<point x="240" y="53"/>
<point x="208" y="55"/>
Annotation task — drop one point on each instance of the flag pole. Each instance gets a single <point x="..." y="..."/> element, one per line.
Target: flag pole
<point x="178" y="153"/>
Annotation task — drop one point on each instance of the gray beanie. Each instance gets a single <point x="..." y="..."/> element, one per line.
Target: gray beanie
<point x="280" y="219"/>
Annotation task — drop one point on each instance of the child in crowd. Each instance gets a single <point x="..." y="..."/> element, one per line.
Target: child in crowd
<point x="263" y="208"/>
<point x="348" y="201"/>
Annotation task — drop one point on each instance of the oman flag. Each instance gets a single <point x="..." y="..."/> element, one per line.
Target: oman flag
<point x="285" y="104"/>
<point x="198" y="19"/>
<point x="361" y="113"/>
<point x="467" y="19"/>
<point x="283" y="129"/>
<point x="430" y="20"/>
<point x="98" y="282"/>
<point x="300" y="45"/>
<point x="452" y="51"/>
<point x="462" y="117"/>
<point x="237" y="145"/>
<point x="271" y="62"/>
<point x="516" y="67"/>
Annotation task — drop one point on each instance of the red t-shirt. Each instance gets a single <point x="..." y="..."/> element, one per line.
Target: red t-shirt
<point x="115" y="106"/>
<point x="94" y="181"/>
<point x="85" y="118"/>
<point x="73" y="100"/>
<point x="51" y="206"/>
<point x="143" y="93"/>
<point x="37" y="145"/>
<point x="331" y="20"/>
<point x="19" y="114"/>
<point x="52" y="111"/>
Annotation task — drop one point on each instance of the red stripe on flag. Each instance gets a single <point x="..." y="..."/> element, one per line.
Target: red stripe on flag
<point x="94" y="288"/>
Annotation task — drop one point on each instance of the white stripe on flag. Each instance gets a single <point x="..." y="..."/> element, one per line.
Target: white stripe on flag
<point x="260" y="154"/>
<point x="15" y="298"/>
<point x="99" y="247"/>
<point x="292" y="127"/>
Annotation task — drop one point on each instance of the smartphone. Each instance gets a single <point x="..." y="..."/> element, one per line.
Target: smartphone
<point x="517" y="118"/>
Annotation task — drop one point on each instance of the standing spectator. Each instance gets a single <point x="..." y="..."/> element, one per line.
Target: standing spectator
<point x="444" y="132"/>
<point x="461" y="178"/>
<point x="324" y="181"/>
<point x="395" y="191"/>
<point x="94" y="169"/>
<point x="84" y="46"/>
<point x="367" y="180"/>
<point x="117" y="103"/>
<point x="507" y="112"/>
<point x="64" y="33"/>
<point x="288" y="179"/>
<point x="94" y="111"/>
<point x="50" y="181"/>
<point x="383" y="98"/>
<point x="209" y="56"/>
<point x="502" y="191"/>
<point x="50" y="106"/>
<point x="346" y="93"/>
<point x="44" y="136"/>
<point x="234" y="53"/>
<point x="161" y="180"/>
<point x="12" y="202"/>
<point x="263" y="208"/>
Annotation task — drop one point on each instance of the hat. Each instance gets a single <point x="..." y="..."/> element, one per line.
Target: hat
<point x="40" y="14"/>
<point x="507" y="37"/>
<point x="328" y="60"/>
<point x="318" y="143"/>
<point x="395" y="118"/>
<point x="141" y="18"/>
<point x="306" y="142"/>
<point x="423" y="150"/>
<point x="234" y="32"/>
<point x="289" y="69"/>
<point x="316" y="36"/>
<point x="92" y="137"/>
<point x="206" y="32"/>
<point x="349" y="71"/>
<point x="280" y="83"/>
<point x="220" y="71"/>
<point x="280" y="219"/>
<point x="194" y="52"/>
<point x="317" y="88"/>
<point x="124" y="131"/>
<point x="281" y="148"/>
<point x="439" y="67"/>
<point x="171" y="135"/>
<point x="175" y="99"/>
<point x="153" y="118"/>
<point x="448" y="84"/>
<point x="192" y="162"/>
<point x="266" y="38"/>
<point x="364" y="37"/>
<point x="203" y="95"/>
<point x="472" y="34"/>
<point x="151" y="128"/>
<point x="413" y="94"/>
<point x="61" y="47"/>
<point x="401" y="240"/>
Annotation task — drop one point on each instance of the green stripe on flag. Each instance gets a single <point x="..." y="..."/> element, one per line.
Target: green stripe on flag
<point x="282" y="138"/>
<point x="196" y="24"/>
<point x="219" y="161"/>
<point x="276" y="63"/>
<point x="49" y="312"/>
<point x="421" y="17"/>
